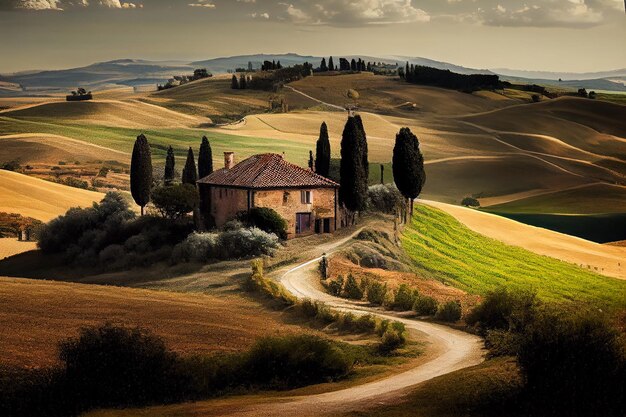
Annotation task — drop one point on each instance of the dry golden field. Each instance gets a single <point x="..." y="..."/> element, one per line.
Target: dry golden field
<point x="10" y="246"/>
<point x="39" y="199"/>
<point x="36" y="315"/>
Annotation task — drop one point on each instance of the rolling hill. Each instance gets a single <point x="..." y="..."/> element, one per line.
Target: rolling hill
<point x="39" y="199"/>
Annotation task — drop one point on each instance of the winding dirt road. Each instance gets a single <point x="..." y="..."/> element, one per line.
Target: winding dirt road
<point x="448" y="350"/>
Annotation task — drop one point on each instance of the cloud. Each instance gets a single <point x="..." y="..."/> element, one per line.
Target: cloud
<point x="350" y="12"/>
<point x="37" y="4"/>
<point x="202" y="3"/>
<point x="550" y="13"/>
<point x="65" y="4"/>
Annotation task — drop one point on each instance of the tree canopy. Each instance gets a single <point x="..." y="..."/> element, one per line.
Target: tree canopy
<point x="354" y="181"/>
<point x="322" y="152"/>
<point x="170" y="162"/>
<point x="141" y="172"/>
<point x="408" y="165"/>
<point x="190" y="175"/>
<point x="205" y="158"/>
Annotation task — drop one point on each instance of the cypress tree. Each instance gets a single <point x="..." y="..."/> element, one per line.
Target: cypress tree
<point x="234" y="83"/>
<point x="363" y="146"/>
<point x="406" y="71"/>
<point x="323" y="66"/>
<point x="205" y="158"/>
<point x="408" y="165"/>
<point x="353" y="65"/>
<point x="311" y="161"/>
<point x="353" y="190"/>
<point x="242" y="82"/>
<point x="331" y="64"/>
<point x="322" y="152"/>
<point x="190" y="175"/>
<point x="170" y="162"/>
<point x="141" y="172"/>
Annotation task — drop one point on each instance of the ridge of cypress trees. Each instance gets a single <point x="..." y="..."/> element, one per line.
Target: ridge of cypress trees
<point x="322" y="152"/>
<point x="141" y="172"/>
<point x="190" y="175"/>
<point x="170" y="163"/>
<point x="408" y="165"/>
<point x="331" y="64"/>
<point x="205" y="158"/>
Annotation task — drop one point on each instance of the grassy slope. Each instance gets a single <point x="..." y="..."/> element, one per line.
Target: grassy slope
<point x="594" y="199"/>
<point x="441" y="245"/>
<point x="38" y="314"/>
<point x="42" y="200"/>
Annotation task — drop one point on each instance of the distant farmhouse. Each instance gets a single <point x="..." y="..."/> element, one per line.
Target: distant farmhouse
<point x="306" y="200"/>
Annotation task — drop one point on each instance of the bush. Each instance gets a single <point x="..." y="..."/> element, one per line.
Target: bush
<point x="450" y="312"/>
<point x="267" y="220"/>
<point x="376" y="293"/>
<point x="294" y="361"/>
<point x="470" y="202"/>
<point x="352" y="290"/>
<point x="117" y="366"/>
<point x="574" y="366"/>
<point x="404" y="298"/>
<point x="385" y="198"/>
<point x="197" y="247"/>
<point x="335" y="287"/>
<point x="425" y="306"/>
<point x="244" y="243"/>
<point x="504" y="309"/>
<point x="175" y="201"/>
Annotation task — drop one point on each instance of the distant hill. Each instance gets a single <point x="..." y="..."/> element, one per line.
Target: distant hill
<point x="136" y="72"/>
<point x="547" y="75"/>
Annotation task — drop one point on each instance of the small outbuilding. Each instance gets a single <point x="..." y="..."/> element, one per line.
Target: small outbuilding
<point x="307" y="201"/>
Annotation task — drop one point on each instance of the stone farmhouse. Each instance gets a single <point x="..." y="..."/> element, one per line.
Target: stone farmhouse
<point x="307" y="201"/>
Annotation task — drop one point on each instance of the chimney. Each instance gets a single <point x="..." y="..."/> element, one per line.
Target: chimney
<point x="229" y="160"/>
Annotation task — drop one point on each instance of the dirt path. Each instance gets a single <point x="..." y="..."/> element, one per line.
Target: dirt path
<point x="315" y="99"/>
<point x="450" y="350"/>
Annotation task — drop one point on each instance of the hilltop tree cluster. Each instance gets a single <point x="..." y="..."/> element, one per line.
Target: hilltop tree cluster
<point x="419" y="74"/>
<point x="353" y="65"/>
<point x="271" y="65"/>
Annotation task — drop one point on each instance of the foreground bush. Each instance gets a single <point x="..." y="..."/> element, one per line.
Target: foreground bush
<point x="107" y="235"/>
<point x="404" y="298"/>
<point x="267" y="220"/>
<point x="504" y="309"/>
<point x="574" y="366"/>
<point x="449" y="312"/>
<point x="175" y="201"/>
<point x="425" y="306"/>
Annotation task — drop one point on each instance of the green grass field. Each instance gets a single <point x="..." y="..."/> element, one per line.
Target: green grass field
<point x="451" y="252"/>
<point x="122" y="139"/>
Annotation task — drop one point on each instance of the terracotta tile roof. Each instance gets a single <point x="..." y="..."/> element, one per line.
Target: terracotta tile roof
<point x="267" y="171"/>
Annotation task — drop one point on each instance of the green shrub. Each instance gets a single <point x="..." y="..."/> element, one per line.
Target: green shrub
<point x="268" y="220"/>
<point x="504" y="309"/>
<point x="449" y="312"/>
<point x="376" y="293"/>
<point x="175" y="201"/>
<point x="287" y="362"/>
<point x="197" y="247"/>
<point x="425" y="306"/>
<point x="244" y="243"/>
<point x="574" y="365"/>
<point x="404" y="298"/>
<point x="351" y="289"/>
<point x="335" y="287"/>
<point x="391" y="340"/>
<point x="385" y="198"/>
<point x="470" y="202"/>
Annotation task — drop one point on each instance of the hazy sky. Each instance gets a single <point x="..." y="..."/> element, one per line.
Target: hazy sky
<point x="555" y="35"/>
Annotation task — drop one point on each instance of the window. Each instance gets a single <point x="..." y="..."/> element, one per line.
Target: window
<point x="306" y="197"/>
<point x="303" y="222"/>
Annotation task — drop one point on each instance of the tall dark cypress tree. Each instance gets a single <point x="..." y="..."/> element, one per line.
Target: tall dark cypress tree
<point x="170" y="162"/>
<point x="141" y="172"/>
<point x="322" y="152"/>
<point x="323" y="66"/>
<point x="205" y="158"/>
<point x="331" y="64"/>
<point x="234" y="83"/>
<point x="408" y="165"/>
<point x="190" y="175"/>
<point x="406" y="71"/>
<point x="311" y="161"/>
<point x="353" y="190"/>
<point x="363" y="146"/>
<point x="242" y="82"/>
